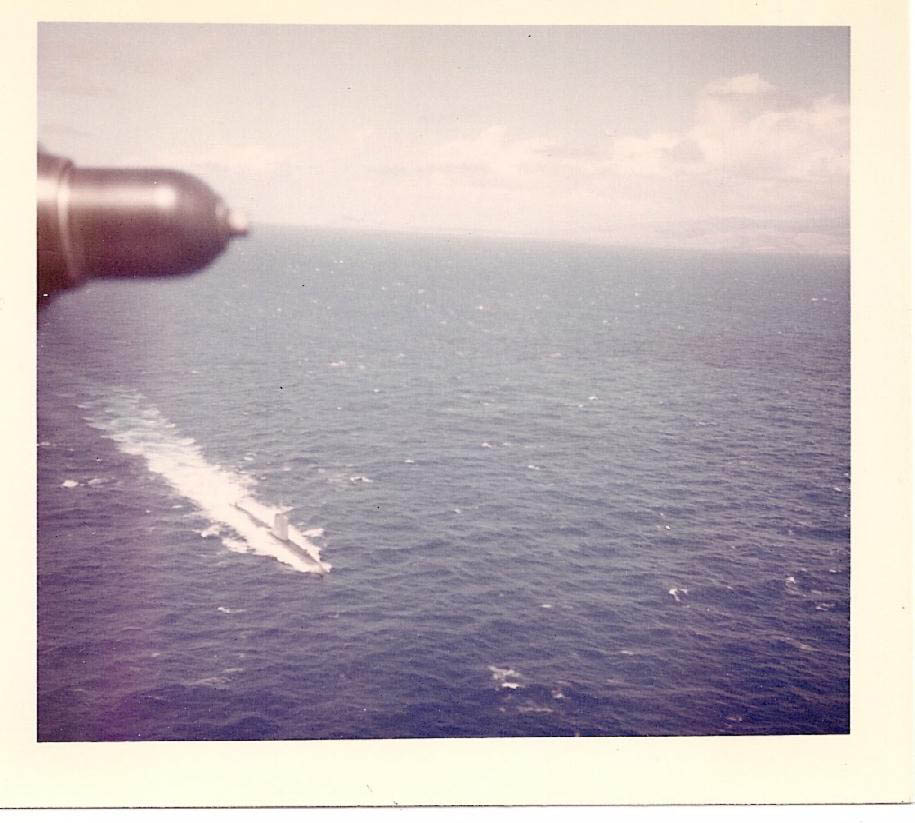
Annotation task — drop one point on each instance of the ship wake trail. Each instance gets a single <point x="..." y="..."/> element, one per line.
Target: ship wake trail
<point x="139" y="429"/>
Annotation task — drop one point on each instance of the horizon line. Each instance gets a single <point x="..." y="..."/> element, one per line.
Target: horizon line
<point x="567" y="241"/>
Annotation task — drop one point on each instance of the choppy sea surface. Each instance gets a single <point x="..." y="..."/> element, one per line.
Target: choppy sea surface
<point x="564" y="490"/>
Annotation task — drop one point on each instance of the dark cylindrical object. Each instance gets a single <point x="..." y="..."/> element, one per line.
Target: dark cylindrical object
<point x="125" y="223"/>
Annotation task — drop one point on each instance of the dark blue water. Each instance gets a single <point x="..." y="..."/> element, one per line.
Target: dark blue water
<point x="564" y="490"/>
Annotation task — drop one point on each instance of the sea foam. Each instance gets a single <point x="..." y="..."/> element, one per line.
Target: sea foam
<point x="140" y="429"/>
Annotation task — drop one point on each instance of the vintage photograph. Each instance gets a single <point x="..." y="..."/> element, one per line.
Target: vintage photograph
<point x="442" y="381"/>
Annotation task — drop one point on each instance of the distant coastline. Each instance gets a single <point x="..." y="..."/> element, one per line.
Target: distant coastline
<point x="628" y="248"/>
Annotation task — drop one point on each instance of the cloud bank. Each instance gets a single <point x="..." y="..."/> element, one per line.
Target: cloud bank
<point x="754" y="170"/>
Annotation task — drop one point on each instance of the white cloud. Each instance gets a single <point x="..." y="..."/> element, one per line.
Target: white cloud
<point x="778" y="165"/>
<point x="745" y="139"/>
<point x="490" y="153"/>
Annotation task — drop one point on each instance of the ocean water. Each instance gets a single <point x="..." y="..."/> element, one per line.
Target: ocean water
<point x="563" y="490"/>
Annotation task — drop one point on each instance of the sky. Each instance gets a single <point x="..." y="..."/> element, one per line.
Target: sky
<point x="730" y="138"/>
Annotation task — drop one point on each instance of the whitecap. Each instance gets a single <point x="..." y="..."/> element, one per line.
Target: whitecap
<point x="226" y="610"/>
<point x="501" y="676"/>
<point x="70" y="484"/>
<point x="95" y="481"/>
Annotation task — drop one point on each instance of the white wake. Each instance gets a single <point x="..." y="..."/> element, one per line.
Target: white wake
<point x="138" y="428"/>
